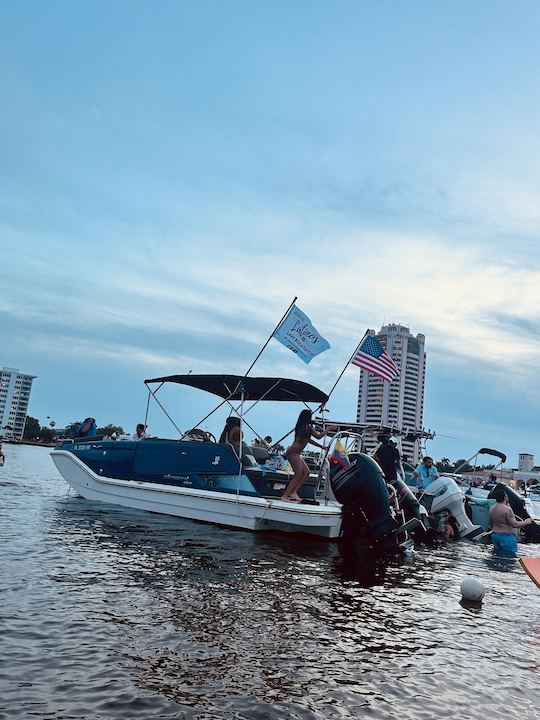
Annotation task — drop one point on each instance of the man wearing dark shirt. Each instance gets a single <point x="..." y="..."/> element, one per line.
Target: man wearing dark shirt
<point x="387" y="455"/>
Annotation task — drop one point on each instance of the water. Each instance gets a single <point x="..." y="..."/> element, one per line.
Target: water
<point x="112" y="613"/>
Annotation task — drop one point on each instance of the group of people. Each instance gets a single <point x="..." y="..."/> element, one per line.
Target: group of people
<point x="389" y="458"/>
<point x="88" y="429"/>
<point x="501" y="516"/>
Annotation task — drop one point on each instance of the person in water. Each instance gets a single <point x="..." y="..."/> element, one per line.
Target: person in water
<point x="304" y="431"/>
<point x="504" y="524"/>
<point x="2" y="456"/>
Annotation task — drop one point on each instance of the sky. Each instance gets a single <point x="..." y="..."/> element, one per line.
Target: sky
<point x="172" y="174"/>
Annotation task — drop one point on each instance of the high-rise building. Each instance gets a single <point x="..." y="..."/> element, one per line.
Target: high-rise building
<point x="15" y="390"/>
<point x="399" y="404"/>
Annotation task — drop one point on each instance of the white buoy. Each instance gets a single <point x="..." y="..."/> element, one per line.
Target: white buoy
<point x="472" y="590"/>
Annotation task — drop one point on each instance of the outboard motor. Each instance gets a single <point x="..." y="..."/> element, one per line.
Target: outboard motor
<point x="444" y="494"/>
<point x="406" y="499"/>
<point x="531" y="533"/>
<point x="361" y="489"/>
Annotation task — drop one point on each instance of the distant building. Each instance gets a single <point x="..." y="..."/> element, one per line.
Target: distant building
<point x="525" y="462"/>
<point x="527" y="472"/>
<point x="15" y="390"/>
<point x="400" y="403"/>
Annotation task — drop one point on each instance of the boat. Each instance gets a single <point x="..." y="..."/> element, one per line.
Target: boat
<point x="479" y="500"/>
<point x="202" y="479"/>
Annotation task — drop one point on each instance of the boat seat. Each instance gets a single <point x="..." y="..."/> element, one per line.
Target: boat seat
<point x="260" y="454"/>
<point x="197" y="434"/>
<point x="247" y="457"/>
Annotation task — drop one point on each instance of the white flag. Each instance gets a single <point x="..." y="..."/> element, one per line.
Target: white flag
<point x="298" y="334"/>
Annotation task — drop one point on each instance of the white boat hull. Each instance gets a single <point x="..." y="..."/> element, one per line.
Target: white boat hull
<point x="239" y="511"/>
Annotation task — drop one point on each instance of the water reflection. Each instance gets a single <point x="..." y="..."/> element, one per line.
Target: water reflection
<point x="500" y="562"/>
<point x="114" y="613"/>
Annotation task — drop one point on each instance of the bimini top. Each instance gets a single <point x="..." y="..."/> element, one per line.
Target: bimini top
<point x="496" y="453"/>
<point x="232" y="387"/>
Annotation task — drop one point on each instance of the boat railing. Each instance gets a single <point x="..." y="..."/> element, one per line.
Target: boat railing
<point x="344" y="434"/>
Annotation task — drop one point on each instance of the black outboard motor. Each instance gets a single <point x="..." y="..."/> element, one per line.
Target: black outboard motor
<point x="361" y="489"/>
<point x="406" y="499"/>
<point x="531" y="533"/>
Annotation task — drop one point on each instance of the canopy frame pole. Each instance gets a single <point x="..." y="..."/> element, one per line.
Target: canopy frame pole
<point x="256" y="401"/>
<point x="183" y="434"/>
<point x="147" y="407"/>
<point x="250" y="368"/>
<point x="153" y="393"/>
<point x="210" y="413"/>
<point x="240" y="443"/>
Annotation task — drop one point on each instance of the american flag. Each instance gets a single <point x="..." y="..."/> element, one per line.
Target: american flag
<point x="371" y="356"/>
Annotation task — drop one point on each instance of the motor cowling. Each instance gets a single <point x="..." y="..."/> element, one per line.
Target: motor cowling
<point x="361" y="489"/>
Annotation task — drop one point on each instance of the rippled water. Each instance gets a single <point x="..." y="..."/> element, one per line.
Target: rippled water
<point x="112" y="613"/>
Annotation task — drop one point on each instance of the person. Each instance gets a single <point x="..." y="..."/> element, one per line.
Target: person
<point x="140" y="433"/>
<point x="2" y="456"/>
<point x="387" y="455"/>
<point x="231" y="432"/>
<point x="264" y="443"/>
<point x="504" y="524"/>
<point x="87" y="428"/>
<point x="303" y="433"/>
<point x="426" y="472"/>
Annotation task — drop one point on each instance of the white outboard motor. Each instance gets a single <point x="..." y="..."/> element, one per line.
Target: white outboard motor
<point x="444" y="495"/>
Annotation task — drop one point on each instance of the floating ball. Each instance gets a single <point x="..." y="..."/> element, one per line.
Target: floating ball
<point x="472" y="590"/>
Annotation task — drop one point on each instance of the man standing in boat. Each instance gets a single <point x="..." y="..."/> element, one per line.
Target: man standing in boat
<point x="426" y="473"/>
<point x="388" y="457"/>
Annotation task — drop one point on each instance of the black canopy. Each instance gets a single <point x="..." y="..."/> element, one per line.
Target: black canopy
<point x="488" y="451"/>
<point x="232" y="386"/>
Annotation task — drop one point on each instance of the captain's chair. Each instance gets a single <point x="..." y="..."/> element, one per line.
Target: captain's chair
<point x="231" y="435"/>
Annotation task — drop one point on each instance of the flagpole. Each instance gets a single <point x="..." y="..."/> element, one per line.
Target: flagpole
<point x="346" y="366"/>
<point x="271" y="336"/>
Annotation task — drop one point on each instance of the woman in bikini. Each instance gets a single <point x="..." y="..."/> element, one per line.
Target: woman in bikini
<point x="303" y="433"/>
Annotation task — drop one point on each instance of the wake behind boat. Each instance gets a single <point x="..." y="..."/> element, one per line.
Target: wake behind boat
<point x="221" y="482"/>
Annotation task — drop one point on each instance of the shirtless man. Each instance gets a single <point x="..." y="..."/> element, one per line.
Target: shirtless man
<point x="2" y="456"/>
<point x="504" y="524"/>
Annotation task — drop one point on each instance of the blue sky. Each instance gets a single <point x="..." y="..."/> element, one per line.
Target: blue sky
<point x="172" y="174"/>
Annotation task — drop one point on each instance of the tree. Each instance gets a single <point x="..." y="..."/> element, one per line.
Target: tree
<point x="466" y="467"/>
<point x="69" y="430"/>
<point x="31" y="428"/>
<point x="110" y="429"/>
<point x="47" y="434"/>
<point x="444" y="465"/>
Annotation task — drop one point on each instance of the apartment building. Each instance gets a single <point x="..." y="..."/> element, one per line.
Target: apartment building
<point x="15" y="388"/>
<point x="398" y="404"/>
